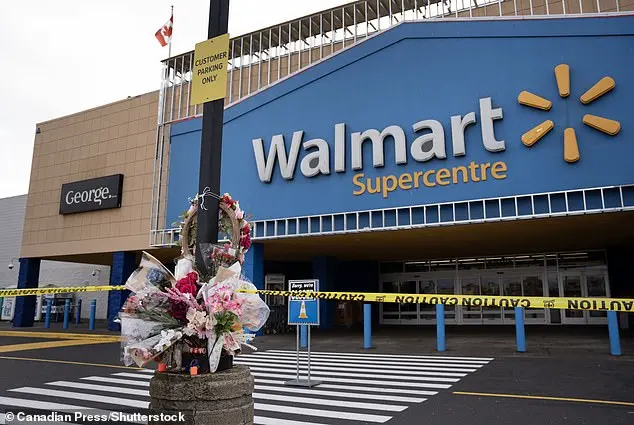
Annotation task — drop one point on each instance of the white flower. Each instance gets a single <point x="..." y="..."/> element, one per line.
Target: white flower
<point x="167" y="339"/>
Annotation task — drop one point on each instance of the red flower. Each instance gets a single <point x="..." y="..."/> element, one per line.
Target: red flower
<point x="187" y="286"/>
<point x="193" y="277"/>
<point x="245" y="241"/>
<point x="178" y="310"/>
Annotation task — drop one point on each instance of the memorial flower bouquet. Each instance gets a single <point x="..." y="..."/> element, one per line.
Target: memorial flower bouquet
<point x="179" y="318"/>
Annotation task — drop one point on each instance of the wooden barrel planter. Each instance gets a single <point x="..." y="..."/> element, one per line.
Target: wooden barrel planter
<point x="222" y="398"/>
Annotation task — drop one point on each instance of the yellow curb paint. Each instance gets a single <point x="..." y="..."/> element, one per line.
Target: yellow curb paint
<point x="58" y="335"/>
<point x="537" y="397"/>
<point x="52" y="344"/>
<point x="70" y="362"/>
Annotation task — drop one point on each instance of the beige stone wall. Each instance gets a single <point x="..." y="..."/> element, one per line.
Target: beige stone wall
<point x="112" y="139"/>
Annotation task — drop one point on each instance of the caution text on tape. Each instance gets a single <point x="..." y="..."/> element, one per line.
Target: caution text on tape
<point x="48" y="291"/>
<point x="616" y="304"/>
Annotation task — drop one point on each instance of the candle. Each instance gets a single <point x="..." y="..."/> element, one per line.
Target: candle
<point x="162" y="367"/>
<point x="193" y="371"/>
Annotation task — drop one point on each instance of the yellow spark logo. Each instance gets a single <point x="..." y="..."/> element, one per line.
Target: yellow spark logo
<point x="571" y="148"/>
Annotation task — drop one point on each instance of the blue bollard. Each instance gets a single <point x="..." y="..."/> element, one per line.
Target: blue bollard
<point x="520" y="335"/>
<point x="367" y="326"/>
<point x="440" y="327"/>
<point x="66" y="313"/>
<point x="613" y="330"/>
<point x="303" y="336"/>
<point x="78" y="312"/>
<point x="93" y="311"/>
<point x="47" y="317"/>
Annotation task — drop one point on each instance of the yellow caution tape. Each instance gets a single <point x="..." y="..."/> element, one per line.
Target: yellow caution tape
<point x="616" y="304"/>
<point x="601" y="304"/>
<point x="44" y="291"/>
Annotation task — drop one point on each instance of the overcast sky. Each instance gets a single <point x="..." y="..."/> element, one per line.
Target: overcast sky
<point x="65" y="56"/>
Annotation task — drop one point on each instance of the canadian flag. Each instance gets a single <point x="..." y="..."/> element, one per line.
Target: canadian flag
<point x="165" y="33"/>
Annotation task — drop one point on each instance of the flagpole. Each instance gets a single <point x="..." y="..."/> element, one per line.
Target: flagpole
<point x="169" y="43"/>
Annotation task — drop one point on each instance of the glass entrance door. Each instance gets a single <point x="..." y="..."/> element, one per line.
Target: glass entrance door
<point x="471" y="286"/>
<point x="572" y="286"/>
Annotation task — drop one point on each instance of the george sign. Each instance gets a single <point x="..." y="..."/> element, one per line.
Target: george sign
<point x="209" y="77"/>
<point x="304" y="309"/>
<point x="91" y="195"/>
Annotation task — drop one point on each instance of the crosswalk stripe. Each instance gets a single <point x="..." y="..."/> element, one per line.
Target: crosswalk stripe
<point x="117" y="381"/>
<point x="326" y="393"/>
<point x="425" y="372"/>
<point x="132" y="375"/>
<point x="53" y="407"/>
<point x="359" y="381"/>
<point x="323" y="413"/>
<point x="261" y="420"/>
<point x="352" y="363"/>
<point x="389" y="356"/>
<point x="326" y="402"/>
<point x="104" y="388"/>
<point x="82" y="396"/>
<point x="346" y="359"/>
<point x="361" y="375"/>
<point x="349" y="387"/>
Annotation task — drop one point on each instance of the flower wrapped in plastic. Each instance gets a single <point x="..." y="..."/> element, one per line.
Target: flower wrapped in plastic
<point x="172" y="317"/>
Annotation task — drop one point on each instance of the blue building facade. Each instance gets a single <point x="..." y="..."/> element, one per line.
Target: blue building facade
<point x="441" y="157"/>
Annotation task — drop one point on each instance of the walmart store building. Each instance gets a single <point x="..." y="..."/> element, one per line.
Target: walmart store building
<point x="379" y="146"/>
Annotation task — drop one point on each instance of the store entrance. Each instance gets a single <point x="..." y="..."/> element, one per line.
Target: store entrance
<point x="584" y="283"/>
<point x="551" y="275"/>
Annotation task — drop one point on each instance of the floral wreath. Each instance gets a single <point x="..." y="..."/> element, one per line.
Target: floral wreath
<point x="231" y="222"/>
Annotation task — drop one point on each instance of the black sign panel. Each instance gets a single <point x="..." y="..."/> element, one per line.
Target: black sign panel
<point x="91" y="195"/>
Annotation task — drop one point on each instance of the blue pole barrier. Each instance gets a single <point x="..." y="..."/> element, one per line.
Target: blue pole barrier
<point x="93" y="311"/>
<point x="367" y="326"/>
<point x="66" y="313"/>
<point x="78" y="312"/>
<point x="520" y="335"/>
<point x="303" y="336"/>
<point x="440" y="327"/>
<point x="47" y="317"/>
<point x="613" y="330"/>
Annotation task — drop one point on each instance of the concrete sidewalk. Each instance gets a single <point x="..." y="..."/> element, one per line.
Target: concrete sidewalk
<point x="484" y="341"/>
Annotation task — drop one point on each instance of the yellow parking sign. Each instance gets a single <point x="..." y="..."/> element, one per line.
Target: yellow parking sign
<point x="209" y="78"/>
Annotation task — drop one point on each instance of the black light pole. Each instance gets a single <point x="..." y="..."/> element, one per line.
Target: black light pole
<point x="211" y="144"/>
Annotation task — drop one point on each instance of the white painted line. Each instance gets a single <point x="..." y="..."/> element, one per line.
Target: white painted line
<point x="104" y="388"/>
<point x="287" y="365"/>
<point x="54" y="407"/>
<point x="326" y="402"/>
<point x="391" y="356"/>
<point x="354" y="358"/>
<point x="375" y="376"/>
<point x="343" y="363"/>
<point x="354" y="388"/>
<point x="117" y="381"/>
<point x="132" y="375"/>
<point x="322" y="413"/>
<point x="359" y="381"/>
<point x="346" y="394"/>
<point x="147" y="370"/>
<point x="83" y="396"/>
<point x="261" y="420"/>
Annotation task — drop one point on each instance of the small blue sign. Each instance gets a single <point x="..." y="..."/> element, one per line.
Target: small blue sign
<point x="303" y="310"/>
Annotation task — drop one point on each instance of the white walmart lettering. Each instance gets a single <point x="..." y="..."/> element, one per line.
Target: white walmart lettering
<point x="425" y="147"/>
